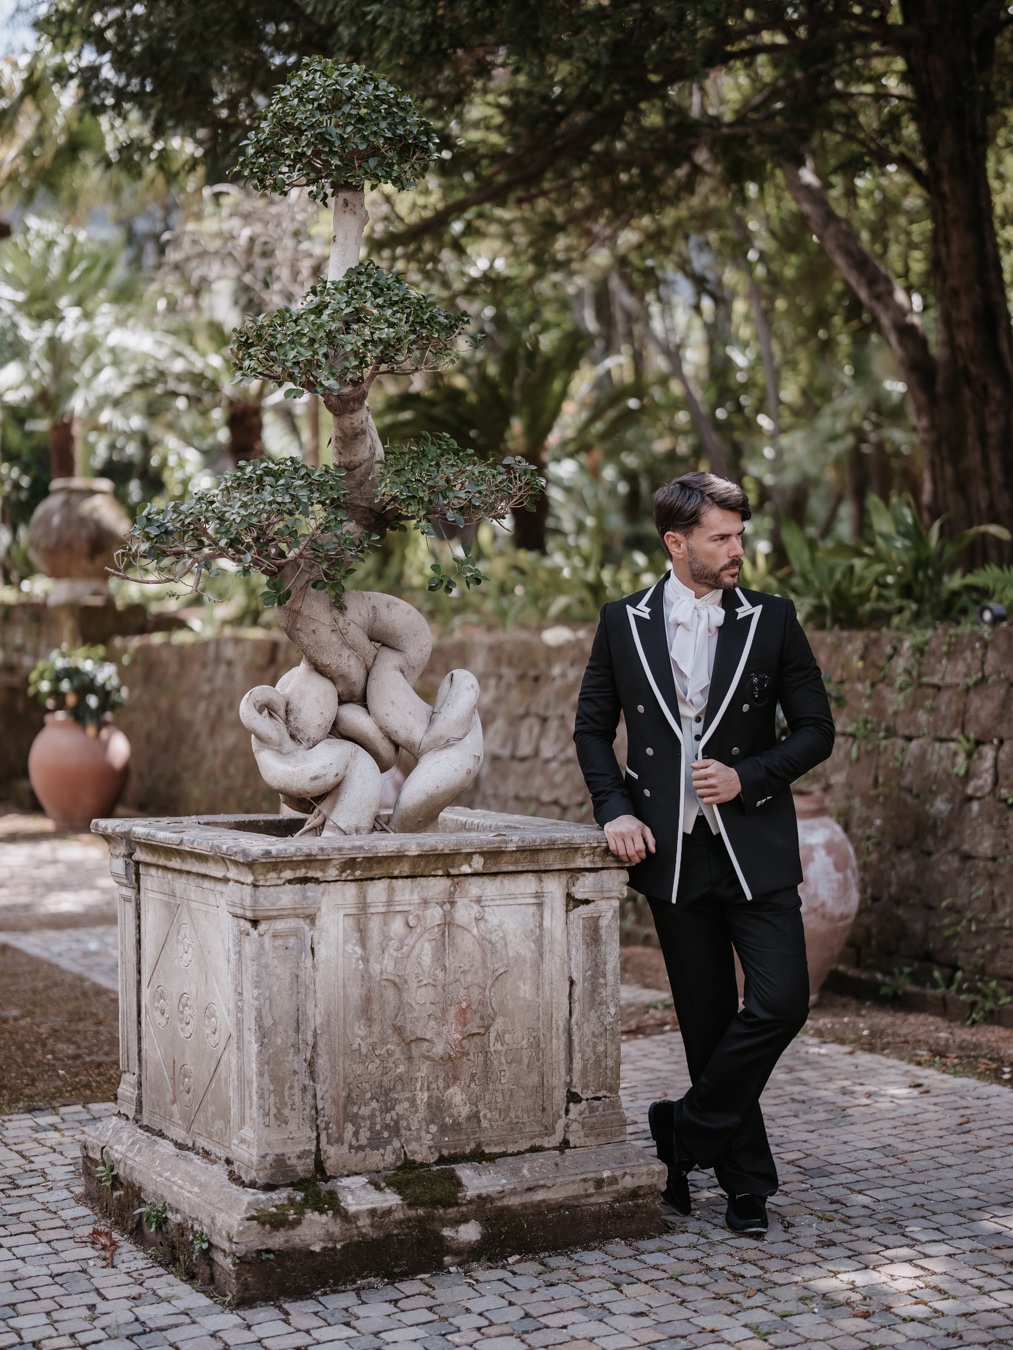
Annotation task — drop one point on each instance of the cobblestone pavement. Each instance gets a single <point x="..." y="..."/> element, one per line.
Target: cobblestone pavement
<point x="57" y="899"/>
<point x="78" y="888"/>
<point x="893" y="1226"/>
<point x="91" y="952"/>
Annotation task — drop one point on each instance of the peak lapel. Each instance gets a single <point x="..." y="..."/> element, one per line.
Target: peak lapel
<point x="735" y="637"/>
<point x="647" y="621"/>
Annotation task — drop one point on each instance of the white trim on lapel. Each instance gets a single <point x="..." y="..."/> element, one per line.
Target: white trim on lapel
<point x="641" y="612"/>
<point x="745" y="608"/>
<point x="636" y="613"/>
<point x="753" y="612"/>
<point x="731" y="853"/>
<point x="641" y="608"/>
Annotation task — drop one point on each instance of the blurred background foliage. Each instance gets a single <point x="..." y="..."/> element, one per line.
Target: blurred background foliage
<point x="652" y="299"/>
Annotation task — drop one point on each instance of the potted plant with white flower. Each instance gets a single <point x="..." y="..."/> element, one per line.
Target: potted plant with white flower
<point x="78" y="763"/>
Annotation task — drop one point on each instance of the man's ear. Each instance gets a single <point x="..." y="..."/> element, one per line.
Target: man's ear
<point x="675" y="543"/>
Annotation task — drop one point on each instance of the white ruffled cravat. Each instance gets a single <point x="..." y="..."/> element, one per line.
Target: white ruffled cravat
<point x="691" y="622"/>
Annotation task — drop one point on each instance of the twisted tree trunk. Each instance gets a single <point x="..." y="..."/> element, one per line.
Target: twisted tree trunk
<point x="367" y="653"/>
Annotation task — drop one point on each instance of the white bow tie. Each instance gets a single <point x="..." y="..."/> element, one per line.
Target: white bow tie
<point x="692" y="622"/>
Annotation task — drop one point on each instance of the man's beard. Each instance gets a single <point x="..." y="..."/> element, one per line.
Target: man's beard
<point x="723" y="578"/>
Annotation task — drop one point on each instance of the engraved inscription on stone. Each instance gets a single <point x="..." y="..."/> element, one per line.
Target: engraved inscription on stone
<point x="444" y="971"/>
<point x="212" y="1026"/>
<point x="187" y="1017"/>
<point x="160" y="1005"/>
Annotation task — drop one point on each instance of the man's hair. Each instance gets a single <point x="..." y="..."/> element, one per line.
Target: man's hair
<point x="680" y="504"/>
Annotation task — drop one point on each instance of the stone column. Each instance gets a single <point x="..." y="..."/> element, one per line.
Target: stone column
<point x="594" y="1113"/>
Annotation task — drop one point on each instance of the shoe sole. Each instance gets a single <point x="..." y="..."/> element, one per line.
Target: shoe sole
<point x="746" y="1232"/>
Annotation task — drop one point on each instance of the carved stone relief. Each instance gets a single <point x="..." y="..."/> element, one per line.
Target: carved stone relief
<point x="184" y="1003"/>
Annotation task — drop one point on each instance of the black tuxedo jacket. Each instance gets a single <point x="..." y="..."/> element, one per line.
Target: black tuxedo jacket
<point x="762" y="659"/>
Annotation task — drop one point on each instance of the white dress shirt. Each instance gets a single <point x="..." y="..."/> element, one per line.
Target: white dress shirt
<point x="691" y="625"/>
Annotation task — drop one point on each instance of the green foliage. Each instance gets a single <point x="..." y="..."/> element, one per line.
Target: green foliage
<point x="80" y="681"/>
<point x="264" y="515"/>
<point x="991" y="583"/>
<point x="435" y="478"/>
<point x="331" y="124"/>
<point x="989" y="997"/>
<point x="347" y="332"/>
<point x="901" y="574"/>
<point x="59" y="291"/>
<point x="919" y="581"/>
<point x="156" y="1217"/>
<point x="270" y="514"/>
<point x="107" y="1174"/>
<point x="829" y="587"/>
<point x="201" y="1241"/>
<point x="519" y="588"/>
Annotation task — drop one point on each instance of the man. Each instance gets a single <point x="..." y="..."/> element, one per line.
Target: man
<point x="703" y="816"/>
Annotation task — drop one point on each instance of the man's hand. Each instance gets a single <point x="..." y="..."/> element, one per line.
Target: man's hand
<point x="629" y="839"/>
<point x="714" y="782"/>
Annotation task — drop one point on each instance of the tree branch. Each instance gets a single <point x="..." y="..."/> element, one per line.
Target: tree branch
<point x="884" y="298"/>
<point x="671" y="357"/>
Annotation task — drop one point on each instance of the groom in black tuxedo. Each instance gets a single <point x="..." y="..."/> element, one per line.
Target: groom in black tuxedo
<point x="703" y="816"/>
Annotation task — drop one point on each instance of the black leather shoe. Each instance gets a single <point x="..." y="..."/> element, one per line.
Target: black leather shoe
<point x="661" y="1120"/>
<point x="747" y="1215"/>
<point x="675" y="1197"/>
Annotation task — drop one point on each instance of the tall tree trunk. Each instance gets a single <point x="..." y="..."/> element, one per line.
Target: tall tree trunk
<point x="960" y="397"/>
<point x="530" y="526"/>
<point x="949" y="55"/>
<point x="62" y="450"/>
<point x="246" y="428"/>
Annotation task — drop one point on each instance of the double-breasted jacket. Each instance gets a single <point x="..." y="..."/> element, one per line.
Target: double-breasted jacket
<point x="762" y="659"/>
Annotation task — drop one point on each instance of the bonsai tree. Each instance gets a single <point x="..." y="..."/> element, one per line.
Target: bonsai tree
<point x="330" y="728"/>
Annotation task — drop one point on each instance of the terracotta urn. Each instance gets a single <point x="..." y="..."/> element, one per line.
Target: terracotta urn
<point x="76" y="776"/>
<point x="829" y="892"/>
<point x="73" y="537"/>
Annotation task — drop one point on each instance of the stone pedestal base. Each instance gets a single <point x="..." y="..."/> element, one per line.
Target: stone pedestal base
<point x="254" y="1244"/>
<point x="416" y="1036"/>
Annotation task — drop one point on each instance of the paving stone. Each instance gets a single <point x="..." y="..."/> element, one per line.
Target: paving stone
<point x="893" y="1206"/>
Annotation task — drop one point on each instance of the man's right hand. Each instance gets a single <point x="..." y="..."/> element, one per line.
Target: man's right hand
<point x="629" y="839"/>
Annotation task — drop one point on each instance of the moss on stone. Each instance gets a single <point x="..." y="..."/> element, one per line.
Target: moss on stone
<point x="313" y="1198"/>
<point x="427" y="1187"/>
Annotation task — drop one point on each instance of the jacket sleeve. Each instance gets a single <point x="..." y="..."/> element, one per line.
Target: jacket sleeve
<point x="806" y="707"/>
<point x="598" y="711"/>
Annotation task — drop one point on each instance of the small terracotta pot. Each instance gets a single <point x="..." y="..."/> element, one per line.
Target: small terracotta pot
<point x="829" y="892"/>
<point x="77" y="777"/>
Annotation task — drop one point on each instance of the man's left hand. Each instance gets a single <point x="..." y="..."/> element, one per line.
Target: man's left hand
<point x="715" y="782"/>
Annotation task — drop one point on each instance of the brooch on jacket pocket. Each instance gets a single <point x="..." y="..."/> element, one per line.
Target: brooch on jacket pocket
<point x="758" y="686"/>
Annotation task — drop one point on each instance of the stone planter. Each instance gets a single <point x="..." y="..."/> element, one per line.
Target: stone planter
<point x="830" y="892"/>
<point x="77" y="777"/>
<point x="415" y="1037"/>
<point x="73" y="537"/>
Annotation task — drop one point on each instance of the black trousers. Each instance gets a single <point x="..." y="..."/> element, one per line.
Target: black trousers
<point x="730" y="1053"/>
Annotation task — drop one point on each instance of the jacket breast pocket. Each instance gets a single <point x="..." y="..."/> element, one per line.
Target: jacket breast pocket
<point x="758" y="688"/>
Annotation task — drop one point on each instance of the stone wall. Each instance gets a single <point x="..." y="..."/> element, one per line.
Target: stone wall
<point x="921" y="777"/>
